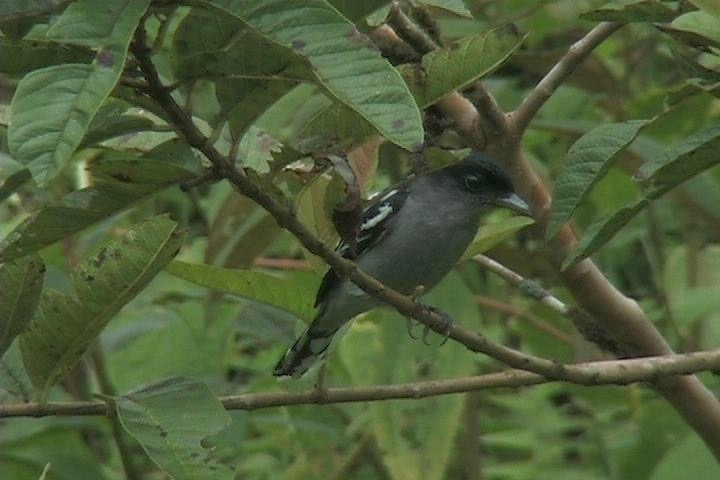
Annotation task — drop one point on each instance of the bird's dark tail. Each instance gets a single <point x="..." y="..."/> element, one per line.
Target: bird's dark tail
<point x="306" y="350"/>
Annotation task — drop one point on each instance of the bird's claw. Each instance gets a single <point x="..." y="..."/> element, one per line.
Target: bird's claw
<point x="410" y="323"/>
<point x="447" y="327"/>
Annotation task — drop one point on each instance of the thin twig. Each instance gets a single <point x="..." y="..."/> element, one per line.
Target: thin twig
<point x="614" y="372"/>
<point x="409" y="31"/>
<point x="528" y="287"/>
<point x="521" y="118"/>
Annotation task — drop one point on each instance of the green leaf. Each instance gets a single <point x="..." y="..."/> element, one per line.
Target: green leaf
<point x="694" y="155"/>
<point x="116" y="126"/>
<point x="64" y="325"/>
<point x="454" y="6"/>
<point x="689" y="458"/>
<point x="710" y="6"/>
<point x="21" y="283"/>
<point x="587" y="161"/>
<point x="13" y="182"/>
<point x="120" y="180"/>
<point x="493" y="233"/>
<point x="170" y="418"/>
<point x="294" y="297"/>
<point x="312" y="210"/>
<point x="697" y="29"/>
<point x="83" y="23"/>
<point x="335" y="128"/>
<point x="52" y="107"/>
<point x="21" y="8"/>
<point x="455" y="67"/>
<point x="51" y="110"/>
<point x="15" y="385"/>
<point x="21" y="57"/>
<point x="343" y="61"/>
<point x="240" y="231"/>
<point x="632" y="11"/>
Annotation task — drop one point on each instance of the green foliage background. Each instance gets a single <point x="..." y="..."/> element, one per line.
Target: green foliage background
<point x="117" y="281"/>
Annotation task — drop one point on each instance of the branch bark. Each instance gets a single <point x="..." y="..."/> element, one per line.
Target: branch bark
<point x="614" y="372"/>
<point x="579" y="51"/>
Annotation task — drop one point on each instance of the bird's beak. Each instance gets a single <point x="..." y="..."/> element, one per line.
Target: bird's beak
<point x="514" y="203"/>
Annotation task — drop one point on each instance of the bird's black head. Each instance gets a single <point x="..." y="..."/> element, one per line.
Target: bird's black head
<point x="485" y="181"/>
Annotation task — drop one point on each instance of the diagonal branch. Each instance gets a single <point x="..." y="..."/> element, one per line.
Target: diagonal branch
<point x="578" y="52"/>
<point x="614" y="372"/>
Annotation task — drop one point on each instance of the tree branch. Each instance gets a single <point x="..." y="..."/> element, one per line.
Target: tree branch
<point x="615" y="372"/>
<point x="615" y="313"/>
<point x="406" y="305"/>
<point x="579" y="51"/>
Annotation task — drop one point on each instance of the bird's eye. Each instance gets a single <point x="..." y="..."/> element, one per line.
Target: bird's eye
<point x="473" y="183"/>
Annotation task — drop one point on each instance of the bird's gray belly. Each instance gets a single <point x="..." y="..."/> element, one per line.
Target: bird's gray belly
<point x="420" y="255"/>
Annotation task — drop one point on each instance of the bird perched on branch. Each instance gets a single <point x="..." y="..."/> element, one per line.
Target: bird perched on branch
<point x="411" y="236"/>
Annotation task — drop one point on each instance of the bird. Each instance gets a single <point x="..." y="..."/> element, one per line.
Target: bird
<point x="410" y="237"/>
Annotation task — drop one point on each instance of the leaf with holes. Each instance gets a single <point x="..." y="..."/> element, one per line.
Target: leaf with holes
<point x="294" y="297"/>
<point x="65" y="325"/>
<point x="21" y="282"/>
<point x="455" y="67"/>
<point x="170" y="418"/>
<point x="342" y="59"/>
<point x="120" y="180"/>
<point x="587" y="161"/>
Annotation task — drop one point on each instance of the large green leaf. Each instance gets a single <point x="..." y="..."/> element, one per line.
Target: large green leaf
<point x="170" y="418"/>
<point x="416" y="439"/>
<point x="343" y="61"/>
<point x="65" y="325"/>
<point x="455" y="67"/>
<point x="21" y="282"/>
<point x="587" y="161"/>
<point x="294" y="297"/>
<point x="694" y="155"/>
<point x="121" y="179"/>
<point x="699" y="29"/>
<point x="52" y="107"/>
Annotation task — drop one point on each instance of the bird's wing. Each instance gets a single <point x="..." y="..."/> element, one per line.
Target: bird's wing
<point x="375" y="222"/>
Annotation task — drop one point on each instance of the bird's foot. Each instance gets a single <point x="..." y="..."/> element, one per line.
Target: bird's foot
<point x="446" y="328"/>
<point x="410" y="322"/>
